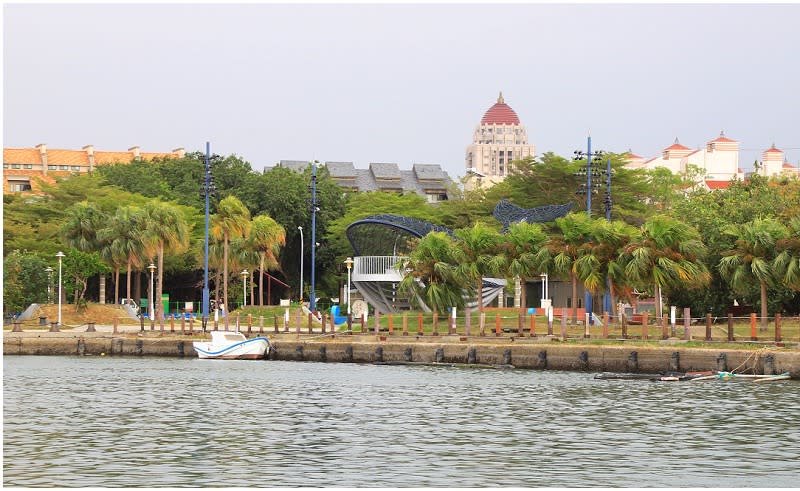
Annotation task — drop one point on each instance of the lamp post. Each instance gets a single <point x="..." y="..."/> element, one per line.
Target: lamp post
<point x="349" y="263"/>
<point x="151" y="267"/>
<point x="49" y="271"/>
<point x="59" y="256"/>
<point x="312" y="299"/>
<point x="244" y="283"/>
<point x="208" y="190"/>
<point x="589" y="188"/>
<point x="301" y="264"/>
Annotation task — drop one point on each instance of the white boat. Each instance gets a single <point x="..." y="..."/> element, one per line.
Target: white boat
<point x="227" y="345"/>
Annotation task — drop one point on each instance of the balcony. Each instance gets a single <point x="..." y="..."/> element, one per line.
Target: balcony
<point x="376" y="268"/>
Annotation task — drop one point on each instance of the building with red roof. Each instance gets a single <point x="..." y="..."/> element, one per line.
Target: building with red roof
<point x="499" y="139"/>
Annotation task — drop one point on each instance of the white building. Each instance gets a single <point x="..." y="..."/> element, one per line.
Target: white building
<point x="497" y="141"/>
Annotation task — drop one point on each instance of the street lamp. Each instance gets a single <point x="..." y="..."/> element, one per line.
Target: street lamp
<point x="349" y="263"/>
<point x="312" y="305"/>
<point x="244" y="280"/>
<point x="151" y="268"/>
<point x="301" y="264"/>
<point x="59" y="256"/>
<point x="49" y="271"/>
<point x="208" y="190"/>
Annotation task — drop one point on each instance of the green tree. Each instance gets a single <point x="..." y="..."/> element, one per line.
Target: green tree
<point x="751" y="259"/>
<point x="480" y="245"/>
<point x="787" y="261"/>
<point x="231" y="221"/>
<point x="165" y="231"/>
<point x="80" y="266"/>
<point x="84" y="220"/>
<point x="432" y="277"/>
<point x="124" y="243"/>
<point x="520" y="251"/>
<point x="25" y="281"/>
<point x="266" y="238"/>
<point x="666" y="254"/>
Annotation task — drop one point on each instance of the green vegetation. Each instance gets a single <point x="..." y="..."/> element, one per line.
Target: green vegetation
<point x="699" y="249"/>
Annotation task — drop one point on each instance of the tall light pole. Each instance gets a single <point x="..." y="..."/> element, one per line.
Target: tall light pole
<point x="151" y="267"/>
<point x="349" y="263"/>
<point x="314" y="209"/>
<point x="244" y="283"/>
<point x="301" y="264"/>
<point x="59" y="256"/>
<point x="208" y="190"/>
<point x="49" y="271"/>
<point x="588" y="188"/>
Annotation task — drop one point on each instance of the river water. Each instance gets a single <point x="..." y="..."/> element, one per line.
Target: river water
<point x="131" y="422"/>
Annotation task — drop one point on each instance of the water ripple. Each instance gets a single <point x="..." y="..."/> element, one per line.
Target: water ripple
<point x="87" y="422"/>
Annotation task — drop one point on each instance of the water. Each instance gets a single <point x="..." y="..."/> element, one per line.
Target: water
<point x="90" y="421"/>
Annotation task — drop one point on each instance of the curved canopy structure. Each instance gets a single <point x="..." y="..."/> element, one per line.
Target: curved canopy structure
<point x="384" y="235"/>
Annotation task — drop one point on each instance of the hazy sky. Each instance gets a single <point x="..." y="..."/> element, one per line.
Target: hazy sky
<point x="398" y="83"/>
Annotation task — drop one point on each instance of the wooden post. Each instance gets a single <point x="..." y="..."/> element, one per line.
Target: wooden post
<point x="227" y="322"/>
<point x="605" y="325"/>
<point x="405" y="323"/>
<point x="191" y="326"/>
<point x="183" y="325"/>
<point x="497" y="324"/>
<point x="152" y="324"/>
<point x="563" y="324"/>
<point x="172" y="324"/>
<point x="349" y="323"/>
<point x="533" y="325"/>
<point x="482" y="322"/>
<point x="249" y="323"/>
<point x="364" y="323"/>
<point x="324" y="321"/>
<point x="645" y="322"/>
<point x="419" y="324"/>
<point x="467" y="321"/>
<point x="687" y="324"/>
<point x="261" y="324"/>
<point x="377" y="322"/>
<point x="308" y="322"/>
<point x="587" y="321"/>
<point x="730" y="327"/>
<point x="436" y="323"/>
<point x="116" y="325"/>
<point x="624" y="319"/>
<point x="778" y="337"/>
<point x="664" y="327"/>
<point x="299" y="321"/>
<point x="753" y="333"/>
<point x="333" y="324"/>
<point x="391" y="324"/>
<point x="141" y="323"/>
<point x="275" y="321"/>
<point x="161" y="325"/>
<point x="520" y="323"/>
<point x="708" y="327"/>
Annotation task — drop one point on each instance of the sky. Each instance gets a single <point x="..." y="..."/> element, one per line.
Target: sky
<point x="405" y="83"/>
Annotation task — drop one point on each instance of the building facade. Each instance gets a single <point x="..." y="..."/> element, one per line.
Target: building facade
<point x="427" y="180"/>
<point x="25" y="168"/>
<point x="498" y="140"/>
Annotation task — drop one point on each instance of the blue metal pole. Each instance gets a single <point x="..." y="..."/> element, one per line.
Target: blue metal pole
<point x="207" y="179"/>
<point x="313" y="299"/>
<point x="588" y="296"/>
<point x="607" y="297"/>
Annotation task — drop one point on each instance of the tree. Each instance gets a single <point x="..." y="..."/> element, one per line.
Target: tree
<point x="520" y="253"/>
<point x="266" y="238"/>
<point x="25" y="281"/>
<point x="84" y="220"/>
<point x="232" y="220"/>
<point x="165" y="231"/>
<point x="124" y="243"/>
<point x="666" y="254"/>
<point x="480" y="245"/>
<point x="787" y="261"/>
<point x="751" y="259"/>
<point x="432" y="277"/>
<point x="561" y="252"/>
<point x="81" y="266"/>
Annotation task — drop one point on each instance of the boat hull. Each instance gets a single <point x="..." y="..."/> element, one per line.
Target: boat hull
<point x="252" y="349"/>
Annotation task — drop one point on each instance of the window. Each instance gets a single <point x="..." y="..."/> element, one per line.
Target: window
<point x="15" y="166"/>
<point x="63" y="167"/>
<point x="75" y="167"/>
<point x="52" y="167"/>
<point x="27" y="166"/>
<point x="5" y="166"/>
<point x="19" y="186"/>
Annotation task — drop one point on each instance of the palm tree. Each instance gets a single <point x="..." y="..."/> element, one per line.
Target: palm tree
<point x="561" y="252"/>
<point x="598" y="265"/>
<point x="124" y="242"/>
<point x="480" y="245"/>
<point x="751" y="259"/>
<point x="266" y="237"/>
<point x="520" y="253"/>
<point x="665" y="254"/>
<point x="432" y="277"/>
<point x="165" y="231"/>
<point x="232" y="220"/>
<point x="83" y="221"/>
<point x="787" y="262"/>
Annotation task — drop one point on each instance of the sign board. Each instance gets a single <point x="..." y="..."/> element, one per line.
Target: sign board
<point x="189" y="307"/>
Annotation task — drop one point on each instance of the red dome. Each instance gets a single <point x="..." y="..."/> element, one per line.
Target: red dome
<point x="500" y="113"/>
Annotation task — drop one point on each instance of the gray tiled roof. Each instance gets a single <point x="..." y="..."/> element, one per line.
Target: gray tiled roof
<point x="295" y="165"/>
<point x="384" y="170"/>
<point x="341" y="169"/>
<point x="429" y="172"/>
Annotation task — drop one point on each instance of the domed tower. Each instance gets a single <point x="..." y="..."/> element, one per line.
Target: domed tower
<point x="498" y="140"/>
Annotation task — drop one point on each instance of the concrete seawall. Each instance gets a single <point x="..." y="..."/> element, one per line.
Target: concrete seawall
<point x="520" y="352"/>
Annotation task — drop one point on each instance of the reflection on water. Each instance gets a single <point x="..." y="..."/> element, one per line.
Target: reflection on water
<point x="81" y="422"/>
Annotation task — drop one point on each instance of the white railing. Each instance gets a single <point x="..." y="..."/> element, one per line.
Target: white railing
<point x="376" y="268"/>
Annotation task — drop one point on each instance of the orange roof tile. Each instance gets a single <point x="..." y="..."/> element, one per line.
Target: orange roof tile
<point x="21" y="156"/>
<point x="67" y="157"/>
<point x="632" y="155"/>
<point x="774" y="150"/>
<point x="676" y="146"/>
<point x="111" y="157"/>
<point x="718" y="184"/>
<point x="787" y="165"/>
<point x="723" y="139"/>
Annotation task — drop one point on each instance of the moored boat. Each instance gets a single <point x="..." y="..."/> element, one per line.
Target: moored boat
<point x="226" y="345"/>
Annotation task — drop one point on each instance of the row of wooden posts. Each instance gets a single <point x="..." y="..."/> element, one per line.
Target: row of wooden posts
<point x="667" y="329"/>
